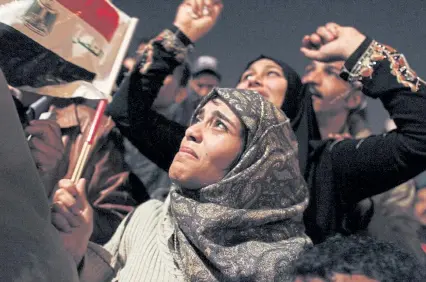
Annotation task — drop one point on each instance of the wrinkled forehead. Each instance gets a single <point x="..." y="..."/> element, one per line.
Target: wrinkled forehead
<point x="214" y="102"/>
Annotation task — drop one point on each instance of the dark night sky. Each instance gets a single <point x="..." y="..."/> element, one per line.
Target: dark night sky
<point x="276" y="27"/>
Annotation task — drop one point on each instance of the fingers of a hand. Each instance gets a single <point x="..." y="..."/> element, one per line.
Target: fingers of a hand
<point x="43" y="162"/>
<point x="72" y="219"/>
<point x="325" y="34"/>
<point x="197" y="7"/>
<point x="81" y="191"/>
<point x="306" y="41"/>
<point x="68" y="186"/>
<point x="217" y="9"/>
<point x="54" y="150"/>
<point x="333" y="28"/>
<point x="46" y="126"/>
<point x="46" y="135"/>
<point x="60" y="222"/>
<point x="65" y="197"/>
<point x="191" y="7"/>
<point x="315" y="39"/>
<point x="208" y="3"/>
<point x="311" y="54"/>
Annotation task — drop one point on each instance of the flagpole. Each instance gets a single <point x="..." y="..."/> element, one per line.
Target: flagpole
<point x="84" y="154"/>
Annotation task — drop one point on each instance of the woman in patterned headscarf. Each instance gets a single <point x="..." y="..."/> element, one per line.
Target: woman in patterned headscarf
<point x="244" y="227"/>
<point x="234" y="212"/>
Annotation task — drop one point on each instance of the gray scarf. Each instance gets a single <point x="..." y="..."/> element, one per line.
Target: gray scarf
<point x="246" y="227"/>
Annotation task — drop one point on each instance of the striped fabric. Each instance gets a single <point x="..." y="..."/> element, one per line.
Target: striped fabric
<point x="138" y="251"/>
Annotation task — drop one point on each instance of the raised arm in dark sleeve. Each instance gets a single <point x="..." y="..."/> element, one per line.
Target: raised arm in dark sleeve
<point x="375" y="164"/>
<point x="155" y="136"/>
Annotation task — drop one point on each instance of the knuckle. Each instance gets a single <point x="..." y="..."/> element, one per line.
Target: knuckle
<point x="320" y="29"/>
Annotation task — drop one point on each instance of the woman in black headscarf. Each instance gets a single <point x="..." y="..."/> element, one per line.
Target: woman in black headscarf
<point x="294" y="101"/>
<point x="339" y="173"/>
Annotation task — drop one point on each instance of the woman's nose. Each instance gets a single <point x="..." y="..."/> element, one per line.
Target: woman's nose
<point x="194" y="133"/>
<point x="254" y="81"/>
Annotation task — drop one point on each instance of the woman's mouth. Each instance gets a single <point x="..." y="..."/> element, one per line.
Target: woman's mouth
<point x="188" y="151"/>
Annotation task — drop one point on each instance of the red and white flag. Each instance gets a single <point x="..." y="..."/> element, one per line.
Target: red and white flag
<point x="63" y="48"/>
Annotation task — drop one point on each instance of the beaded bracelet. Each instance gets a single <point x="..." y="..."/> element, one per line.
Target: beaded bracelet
<point x="399" y="67"/>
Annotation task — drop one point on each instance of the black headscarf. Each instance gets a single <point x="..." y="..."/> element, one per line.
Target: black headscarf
<point x="298" y="108"/>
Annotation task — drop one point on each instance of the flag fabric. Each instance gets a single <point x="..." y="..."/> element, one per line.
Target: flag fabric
<point x="63" y="48"/>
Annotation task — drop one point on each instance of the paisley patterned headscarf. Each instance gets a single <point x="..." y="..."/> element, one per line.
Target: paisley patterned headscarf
<point x="248" y="226"/>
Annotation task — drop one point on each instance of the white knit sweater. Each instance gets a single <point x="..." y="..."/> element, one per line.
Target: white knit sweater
<point x="138" y="251"/>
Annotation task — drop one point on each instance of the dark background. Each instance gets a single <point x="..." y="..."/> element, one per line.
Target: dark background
<point x="275" y="27"/>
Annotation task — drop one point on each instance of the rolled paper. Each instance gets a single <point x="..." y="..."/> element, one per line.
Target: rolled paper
<point x="82" y="159"/>
<point x="96" y="121"/>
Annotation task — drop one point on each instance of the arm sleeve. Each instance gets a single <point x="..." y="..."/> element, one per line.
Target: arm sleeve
<point x="103" y="263"/>
<point x="151" y="133"/>
<point x="369" y="166"/>
<point x="132" y="238"/>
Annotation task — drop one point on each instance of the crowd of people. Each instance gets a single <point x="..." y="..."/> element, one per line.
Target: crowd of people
<point x="276" y="178"/>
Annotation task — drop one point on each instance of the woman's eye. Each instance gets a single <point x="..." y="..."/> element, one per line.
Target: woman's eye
<point x="246" y="76"/>
<point x="273" y="73"/>
<point x="221" y="125"/>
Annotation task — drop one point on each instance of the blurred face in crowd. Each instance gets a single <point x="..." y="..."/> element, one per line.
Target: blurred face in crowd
<point x="203" y="83"/>
<point x="170" y="89"/>
<point x="210" y="146"/>
<point x="266" y="77"/>
<point x="330" y="91"/>
<point x="420" y="206"/>
<point x="338" y="277"/>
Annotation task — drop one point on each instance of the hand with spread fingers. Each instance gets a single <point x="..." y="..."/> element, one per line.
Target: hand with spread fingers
<point x="331" y="42"/>
<point x="47" y="149"/>
<point x="72" y="216"/>
<point x="195" y="18"/>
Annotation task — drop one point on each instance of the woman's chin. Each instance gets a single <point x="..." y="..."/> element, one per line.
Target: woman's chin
<point x="182" y="181"/>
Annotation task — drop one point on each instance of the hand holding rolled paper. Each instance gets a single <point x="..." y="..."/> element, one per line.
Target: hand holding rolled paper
<point x="72" y="216"/>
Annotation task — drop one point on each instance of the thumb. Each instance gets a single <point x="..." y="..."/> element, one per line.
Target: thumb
<point x="311" y="54"/>
<point x="81" y="192"/>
